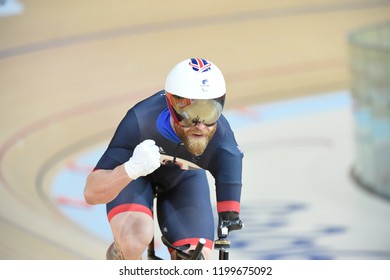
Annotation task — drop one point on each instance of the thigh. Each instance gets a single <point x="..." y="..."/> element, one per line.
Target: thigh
<point x="185" y="213"/>
<point x="135" y="197"/>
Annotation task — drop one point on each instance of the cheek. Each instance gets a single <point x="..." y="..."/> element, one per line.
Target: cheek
<point x="211" y="130"/>
<point x="182" y="133"/>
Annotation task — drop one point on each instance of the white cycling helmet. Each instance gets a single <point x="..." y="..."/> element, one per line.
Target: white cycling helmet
<point x="195" y="92"/>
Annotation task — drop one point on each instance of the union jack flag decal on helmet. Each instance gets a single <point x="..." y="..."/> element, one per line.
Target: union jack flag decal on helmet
<point x="200" y="64"/>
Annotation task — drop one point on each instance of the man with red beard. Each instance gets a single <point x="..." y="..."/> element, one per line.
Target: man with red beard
<point x="162" y="148"/>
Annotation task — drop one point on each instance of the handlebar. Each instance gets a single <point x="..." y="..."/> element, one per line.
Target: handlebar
<point x="222" y="243"/>
<point x="226" y="226"/>
<point x="195" y="254"/>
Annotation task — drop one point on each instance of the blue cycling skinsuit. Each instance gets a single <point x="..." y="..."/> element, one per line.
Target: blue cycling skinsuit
<point x="180" y="184"/>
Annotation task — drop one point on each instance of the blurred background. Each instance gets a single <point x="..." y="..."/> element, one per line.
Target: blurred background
<point x="308" y="97"/>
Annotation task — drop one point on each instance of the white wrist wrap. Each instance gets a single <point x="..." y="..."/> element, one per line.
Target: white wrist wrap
<point x="145" y="159"/>
<point x="133" y="174"/>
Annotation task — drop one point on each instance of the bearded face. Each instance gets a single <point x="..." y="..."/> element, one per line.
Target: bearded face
<point x="195" y="138"/>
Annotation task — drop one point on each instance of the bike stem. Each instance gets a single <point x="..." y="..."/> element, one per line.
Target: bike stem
<point x="223" y="245"/>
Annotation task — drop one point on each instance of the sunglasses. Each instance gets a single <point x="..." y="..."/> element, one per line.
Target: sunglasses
<point x="191" y="112"/>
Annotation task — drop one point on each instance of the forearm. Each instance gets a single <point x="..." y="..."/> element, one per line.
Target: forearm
<point x="228" y="197"/>
<point x="102" y="186"/>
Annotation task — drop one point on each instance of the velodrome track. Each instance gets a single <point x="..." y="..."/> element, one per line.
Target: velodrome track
<point x="69" y="70"/>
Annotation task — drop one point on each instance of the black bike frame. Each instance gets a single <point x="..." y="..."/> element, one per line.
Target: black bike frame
<point x="222" y="244"/>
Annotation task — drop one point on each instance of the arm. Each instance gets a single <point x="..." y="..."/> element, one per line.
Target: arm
<point x="102" y="186"/>
<point x="227" y="173"/>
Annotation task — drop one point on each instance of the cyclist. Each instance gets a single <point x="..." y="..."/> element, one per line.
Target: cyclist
<point x="162" y="148"/>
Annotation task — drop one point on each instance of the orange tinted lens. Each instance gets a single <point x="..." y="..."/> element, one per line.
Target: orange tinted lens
<point x="179" y="103"/>
<point x="190" y="112"/>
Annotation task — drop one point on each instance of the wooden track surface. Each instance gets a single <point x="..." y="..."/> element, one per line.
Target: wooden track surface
<point x="70" y="69"/>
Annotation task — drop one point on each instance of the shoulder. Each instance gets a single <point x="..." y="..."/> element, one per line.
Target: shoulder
<point x="224" y="131"/>
<point x="143" y="113"/>
<point x="224" y="140"/>
<point x="147" y="111"/>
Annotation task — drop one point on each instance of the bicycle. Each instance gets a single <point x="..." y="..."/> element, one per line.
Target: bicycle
<point x="222" y="244"/>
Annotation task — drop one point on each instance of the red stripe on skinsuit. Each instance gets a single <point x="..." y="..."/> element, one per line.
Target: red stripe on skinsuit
<point x="129" y="207"/>
<point x="230" y="205"/>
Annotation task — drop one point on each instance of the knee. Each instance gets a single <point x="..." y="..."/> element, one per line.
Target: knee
<point x="142" y="237"/>
<point x="133" y="245"/>
<point x="133" y="232"/>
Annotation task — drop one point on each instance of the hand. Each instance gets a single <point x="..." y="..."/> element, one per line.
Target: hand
<point x="145" y="159"/>
<point x="227" y="222"/>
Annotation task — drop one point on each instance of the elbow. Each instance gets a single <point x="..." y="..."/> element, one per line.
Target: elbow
<point x="89" y="198"/>
<point x="89" y="194"/>
<point x="96" y="190"/>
